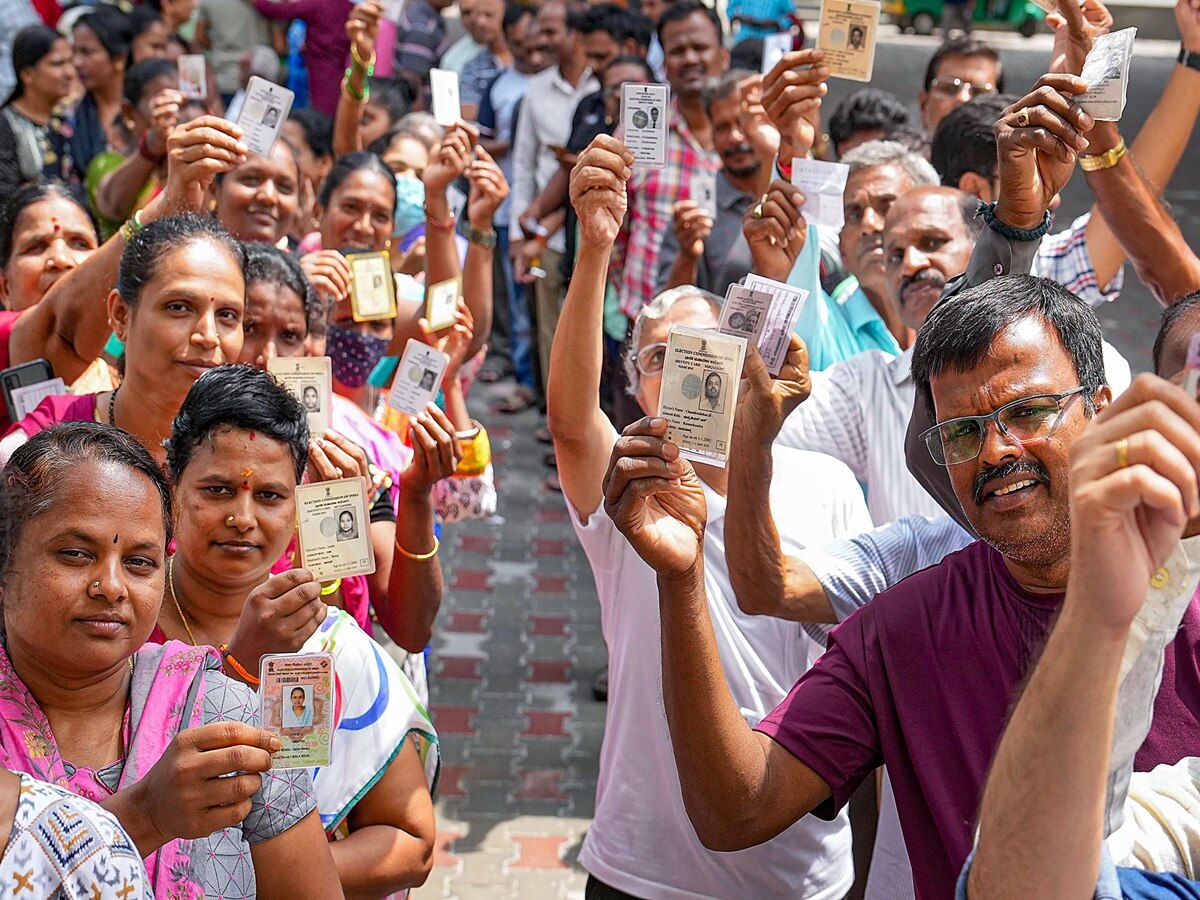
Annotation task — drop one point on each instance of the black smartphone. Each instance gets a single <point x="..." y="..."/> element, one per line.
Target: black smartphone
<point x="32" y="372"/>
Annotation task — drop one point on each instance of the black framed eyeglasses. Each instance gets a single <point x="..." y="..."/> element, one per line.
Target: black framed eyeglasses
<point x="960" y="440"/>
<point x="954" y="87"/>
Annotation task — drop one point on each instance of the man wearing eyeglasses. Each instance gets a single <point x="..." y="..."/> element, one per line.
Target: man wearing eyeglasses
<point x="640" y="843"/>
<point x="961" y="69"/>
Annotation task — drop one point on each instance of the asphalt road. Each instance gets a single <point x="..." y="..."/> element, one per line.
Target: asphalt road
<point x="1130" y="322"/>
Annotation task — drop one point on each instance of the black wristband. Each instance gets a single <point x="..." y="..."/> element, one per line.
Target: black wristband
<point x="987" y="212"/>
<point x="1188" y="58"/>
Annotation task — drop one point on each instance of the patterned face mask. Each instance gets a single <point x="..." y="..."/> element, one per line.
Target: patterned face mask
<point x="354" y="354"/>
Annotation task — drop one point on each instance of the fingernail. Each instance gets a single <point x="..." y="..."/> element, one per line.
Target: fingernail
<point x="274" y="743"/>
<point x="656" y="422"/>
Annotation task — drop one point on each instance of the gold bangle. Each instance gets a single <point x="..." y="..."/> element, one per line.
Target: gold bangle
<point x="239" y="668"/>
<point x="1106" y="160"/>
<point x="327" y="589"/>
<point x="368" y="65"/>
<point x="421" y="556"/>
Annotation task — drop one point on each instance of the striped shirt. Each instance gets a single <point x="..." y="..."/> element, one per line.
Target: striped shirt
<point x="1065" y="258"/>
<point x="422" y="39"/>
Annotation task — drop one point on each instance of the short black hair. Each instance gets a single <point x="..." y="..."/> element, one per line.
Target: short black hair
<point x="960" y="330"/>
<point x="747" y="55"/>
<point x="618" y="23"/>
<point x="142" y="255"/>
<point x="964" y="45"/>
<point x="514" y="13"/>
<point x="965" y="140"/>
<point x="267" y="264"/>
<point x="628" y="59"/>
<point x="242" y="397"/>
<point x="395" y="96"/>
<point x="112" y="28"/>
<point x="684" y="9"/>
<point x="721" y="86"/>
<point x="317" y="128"/>
<point x="139" y="75"/>
<point x="358" y="161"/>
<point x="1170" y="316"/>
<point x="30" y="194"/>
<point x="867" y="109"/>
<point x="39" y="474"/>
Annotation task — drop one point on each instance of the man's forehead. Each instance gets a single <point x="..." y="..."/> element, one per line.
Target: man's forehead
<point x="954" y="65"/>
<point x="925" y="209"/>
<point x="697" y="27"/>
<point x="885" y="178"/>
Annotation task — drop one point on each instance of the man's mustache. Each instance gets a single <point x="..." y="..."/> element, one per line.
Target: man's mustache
<point x="737" y="149"/>
<point x="925" y="276"/>
<point x="1018" y="466"/>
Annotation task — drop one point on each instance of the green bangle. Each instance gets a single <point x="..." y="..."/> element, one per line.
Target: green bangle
<point x="348" y="89"/>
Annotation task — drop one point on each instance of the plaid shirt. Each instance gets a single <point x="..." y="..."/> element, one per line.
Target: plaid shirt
<point x="652" y="196"/>
<point x="1064" y="257"/>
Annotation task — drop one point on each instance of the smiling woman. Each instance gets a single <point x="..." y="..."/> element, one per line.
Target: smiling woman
<point x="178" y="307"/>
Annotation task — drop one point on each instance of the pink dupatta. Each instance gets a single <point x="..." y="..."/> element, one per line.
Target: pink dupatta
<point x="166" y="696"/>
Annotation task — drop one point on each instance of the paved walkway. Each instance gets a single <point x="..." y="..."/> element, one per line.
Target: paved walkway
<point x="515" y="648"/>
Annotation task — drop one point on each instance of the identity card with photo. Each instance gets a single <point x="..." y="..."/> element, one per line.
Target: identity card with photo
<point x="263" y="114"/>
<point x="645" y="110"/>
<point x="372" y="287"/>
<point x="26" y="399"/>
<point x="746" y="313"/>
<point x="310" y="378"/>
<point x="702" y="190"/>
<point x="1106" y="70"/>
<point x="847" y="35"/>
<point x="193" y="76"/>
<point x="443" y="87"/>
<point x="334" y="529"/>
<point x="441" y="303"/>
<point x="774" y="48"/>
<point x="700" y="380"/>
<point x="786" y="305"/>
<point x="418" y="378"/>
<point x="296" y="701"/>
<point x="1191" y="374"/>
<point x="824" y="186"/>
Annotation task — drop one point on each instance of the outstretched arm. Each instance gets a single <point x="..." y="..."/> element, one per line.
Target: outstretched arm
<point x="362" y="28"/>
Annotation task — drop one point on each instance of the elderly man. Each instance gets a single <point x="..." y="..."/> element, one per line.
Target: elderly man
<point x="640" y="842"/>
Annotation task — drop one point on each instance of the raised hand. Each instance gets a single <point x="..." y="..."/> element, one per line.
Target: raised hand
<point x="332" y="456"/>
<point x="488" y="190"/>
<point x="1076" y="28"/>
<point x="279" y="616"/>
<point x="164" y="116"/>
<point x="363" y="28"/>
<point x="328" y="273"/>
<point x="598" y="189"/>
<point x="1038" y="139"/>
<point x="765" y="402"/>
<point x="1187" y="17"/>
<point x="692" y="228"/>
<point x="436" y="451"/>
<point x="753" y="119"/>
<point x="197" y="152"/>
<point x="1135" y="484"/>
<point x="451" y="159"/>
<point x="655" y="498"/>
<point x="791" y="96"/>
<point x="776" y="231"/>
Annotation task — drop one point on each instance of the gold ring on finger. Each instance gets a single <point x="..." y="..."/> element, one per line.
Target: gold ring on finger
<point x="1122" y="453"/>
<point x="1023" y="117"/>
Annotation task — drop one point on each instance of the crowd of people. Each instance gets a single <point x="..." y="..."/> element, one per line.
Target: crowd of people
<point x="951" y="557"/>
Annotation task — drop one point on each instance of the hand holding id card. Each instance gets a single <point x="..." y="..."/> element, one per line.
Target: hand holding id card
<point x="296" y="699"/>
<point x="263" y="113"/>
<point x="441" y="303"/>
<point x="193" y="77"/>
<point x="334" y="528"/>
<point x="1106" y="70"/>
<point x="645" y="111"/>
<point x="372" y="287"/>
<point x="700" y="381"/>
<point x="443" y="89"/>
<point x="764" y="312"/>
<point x="418" y="378"/>
<point x="310" y="379"/>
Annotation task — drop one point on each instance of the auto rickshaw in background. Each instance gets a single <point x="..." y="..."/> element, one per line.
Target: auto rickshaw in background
<point x="922" y="16"/>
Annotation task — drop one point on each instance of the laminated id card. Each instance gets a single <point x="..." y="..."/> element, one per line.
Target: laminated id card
<point x="296" y="700"/>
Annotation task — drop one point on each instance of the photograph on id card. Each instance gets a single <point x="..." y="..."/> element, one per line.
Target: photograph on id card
<point x="443" y="88"/>
<point x="645" y="111"/>
<point x="847" y="35"/>
<point x="441" y="303"/>
<point x="310" y="379"/>
<point x="700" y="380"/>
<point x="334" y="529"/>
<point x="702" y="190"/>
<point x="745" y="313"/>
<point x="263" y="114"/>
<point x="1106" y="71"/>
<point x="418" y="378"/>
<point x="372" y="286"/>
<point x="296" y="700"/>
<point x="193" y="76"/>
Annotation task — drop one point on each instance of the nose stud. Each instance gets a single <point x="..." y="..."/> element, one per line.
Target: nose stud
<point x="228" y="521"/>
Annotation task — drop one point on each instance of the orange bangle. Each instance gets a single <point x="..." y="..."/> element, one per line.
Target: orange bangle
<point x="238" y="667"/>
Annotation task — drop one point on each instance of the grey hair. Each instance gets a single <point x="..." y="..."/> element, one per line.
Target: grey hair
<point x="880" y="153"/>
<point x="264" y="62"/>
<point x="657" y="309"/>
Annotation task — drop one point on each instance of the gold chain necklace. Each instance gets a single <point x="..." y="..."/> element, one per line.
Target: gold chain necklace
<point x="175" y="600"/>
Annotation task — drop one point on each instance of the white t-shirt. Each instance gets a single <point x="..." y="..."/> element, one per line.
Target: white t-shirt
<point x="641" y="840"/>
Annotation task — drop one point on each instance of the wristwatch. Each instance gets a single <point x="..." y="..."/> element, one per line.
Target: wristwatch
<point x="1188" y="58"/>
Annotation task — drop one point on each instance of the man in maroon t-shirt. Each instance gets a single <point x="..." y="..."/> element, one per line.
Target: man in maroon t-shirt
<point x="923" y="678"/>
